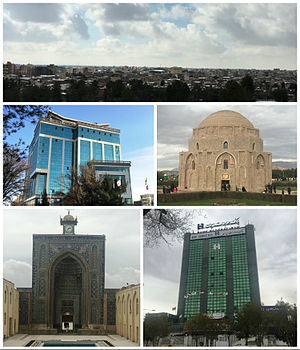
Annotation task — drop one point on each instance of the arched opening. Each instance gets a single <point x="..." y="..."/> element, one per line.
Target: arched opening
<point x="68" y="286"/>
<point x="253" y="146"/>
<point x="197" y="146"/>
<point x="67" y="292"/>
<point x="225" y="145"/>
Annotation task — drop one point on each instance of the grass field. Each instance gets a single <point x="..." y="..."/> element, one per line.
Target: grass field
<point x="214" y="200"/>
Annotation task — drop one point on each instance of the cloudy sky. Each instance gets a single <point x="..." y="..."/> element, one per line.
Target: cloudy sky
<point x="277" y="125"/>
<point x="188" y="35"/>
<point x="276" y="242"/>
<point x="121" y="228"/>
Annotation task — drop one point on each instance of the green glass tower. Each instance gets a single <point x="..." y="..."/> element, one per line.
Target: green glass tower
<point x="218" y="273"/>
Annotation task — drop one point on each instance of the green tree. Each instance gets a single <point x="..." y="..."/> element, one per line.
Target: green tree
<point x="56" y="92"/>
<point x="280" y="95"/>
<point x="249" y="322"/>
<point x="44" y="198"/>
<point x="86" y="188"/>
<point x="204" y="326"/>
<point x="248" y="86"/>
<point x="178" y="92"/>
<point x="155" y="327"/>
<point x="285" y="322"/>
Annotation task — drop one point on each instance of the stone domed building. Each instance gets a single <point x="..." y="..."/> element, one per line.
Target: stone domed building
<point x="225" y="153"/>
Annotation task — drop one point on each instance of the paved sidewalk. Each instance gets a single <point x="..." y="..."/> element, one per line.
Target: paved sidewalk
<point x="20" y="340"/>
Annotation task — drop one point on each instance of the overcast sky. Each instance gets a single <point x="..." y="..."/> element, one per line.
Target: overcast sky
<point x="277" y="125"/>
<point x="121" y="228"/>
<point x="187" y="35"/>
<point x="276" y="249"/>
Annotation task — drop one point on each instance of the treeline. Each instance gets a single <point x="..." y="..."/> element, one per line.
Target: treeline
<point x="284" y="174"/>
<point x="138" y="91"/>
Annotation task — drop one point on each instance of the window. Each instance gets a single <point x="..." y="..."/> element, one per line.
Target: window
<point x="56" y="128"/>
<point x="193" y="165"/>
<point x="253" y="147"/>
<point x="225" y="163"/>
<point x="4" y="318"/>
<point x="137" y="305"/>
<point x="5" y="297"/>
<point x="225" y="145"/>
<point x="93" y="131"/>
<point x="42" y="151"/>
<point x="62" y="129"/>
<point x="10" y="297"/>
<point x="130" y="306"/>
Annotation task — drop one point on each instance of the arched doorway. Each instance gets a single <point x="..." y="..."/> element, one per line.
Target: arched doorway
<point x="68" y="292"/>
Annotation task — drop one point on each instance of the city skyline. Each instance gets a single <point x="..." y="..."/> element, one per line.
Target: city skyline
<point x="261" y="36"/>
<point x="276" y="257"/>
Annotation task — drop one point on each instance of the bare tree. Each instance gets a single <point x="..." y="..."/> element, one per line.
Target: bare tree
<point x="14" y="168"/>
<point x="168" y="225"/>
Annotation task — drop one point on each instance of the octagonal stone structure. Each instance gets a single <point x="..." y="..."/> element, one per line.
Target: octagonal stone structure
<point x="225" y="153"/>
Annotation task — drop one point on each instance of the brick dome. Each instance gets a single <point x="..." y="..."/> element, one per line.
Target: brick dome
<point x="226" y="118"/>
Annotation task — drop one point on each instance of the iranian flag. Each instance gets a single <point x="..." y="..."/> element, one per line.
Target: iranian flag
<point x="119" y="182"/>
<point x="146" y="183"/>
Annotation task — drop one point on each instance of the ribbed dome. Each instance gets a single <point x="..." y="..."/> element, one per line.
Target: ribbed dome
<point x="226" y="118"/>
<point x="68" y="217"/>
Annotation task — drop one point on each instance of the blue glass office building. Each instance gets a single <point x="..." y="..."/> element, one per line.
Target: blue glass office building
<point x="60" y="144"/>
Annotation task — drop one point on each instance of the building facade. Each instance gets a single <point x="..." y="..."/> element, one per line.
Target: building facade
<point x="10" y="309"/>
<point x="225" y="153"/>
<point x="219" y="272"/>
<point x="128" y="312"/>
<point x="61" y="145"/>
<point x="68" y="279"/>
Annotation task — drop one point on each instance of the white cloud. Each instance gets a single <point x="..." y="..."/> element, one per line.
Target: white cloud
<point x="18" y="272"/>
<point x="188" y="35"/>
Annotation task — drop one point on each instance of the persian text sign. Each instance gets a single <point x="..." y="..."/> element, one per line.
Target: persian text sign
<point x="218" y="233"/>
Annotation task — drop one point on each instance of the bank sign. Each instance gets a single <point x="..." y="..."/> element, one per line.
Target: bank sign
<point x="218" y="233"/>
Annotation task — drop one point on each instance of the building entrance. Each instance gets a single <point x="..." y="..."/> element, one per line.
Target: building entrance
<point x="225" y="185"/>
<point x="67" y="294"/>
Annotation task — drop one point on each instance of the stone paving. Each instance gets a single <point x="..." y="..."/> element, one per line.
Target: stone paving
<point x="21" y="340"/>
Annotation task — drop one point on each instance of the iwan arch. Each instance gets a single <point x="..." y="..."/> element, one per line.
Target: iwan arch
<point x="225" y="153"/>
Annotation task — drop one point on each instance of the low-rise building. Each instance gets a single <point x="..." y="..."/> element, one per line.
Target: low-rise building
<point x="10" y="309"/>
<point x="128" y="312"/>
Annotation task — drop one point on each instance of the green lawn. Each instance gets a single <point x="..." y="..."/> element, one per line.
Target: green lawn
<point x="212" y="201"/>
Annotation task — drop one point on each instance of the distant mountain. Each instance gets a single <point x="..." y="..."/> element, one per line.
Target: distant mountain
<point x="284" y="165"/>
